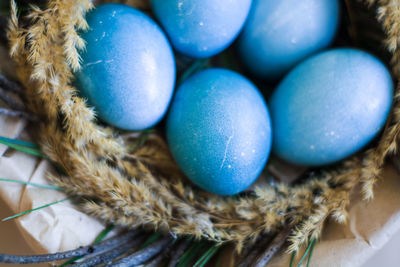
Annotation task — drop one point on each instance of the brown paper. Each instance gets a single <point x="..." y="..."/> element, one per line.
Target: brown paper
<point x="62" y="227"/>
<point x="370" y="227"/>
<point x="56" y="228"/>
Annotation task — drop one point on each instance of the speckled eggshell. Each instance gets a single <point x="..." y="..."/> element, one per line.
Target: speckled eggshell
<point x="330" y="106"/>
<point x="218" y="130"/>
<point x="128" y="67"/>
<point x="279" y="34"/>
<point x="201" y="28"/>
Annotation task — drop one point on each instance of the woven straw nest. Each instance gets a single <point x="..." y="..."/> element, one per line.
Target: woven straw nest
<point x="143" y="187"/>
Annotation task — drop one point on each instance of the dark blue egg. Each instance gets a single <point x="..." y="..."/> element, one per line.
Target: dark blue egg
<point x="279" y="34"/>
<point x="201" y="28"/>
<point x="219" y="132"/>
<point x="330" y="106"/>
<point x="128" y="68"/>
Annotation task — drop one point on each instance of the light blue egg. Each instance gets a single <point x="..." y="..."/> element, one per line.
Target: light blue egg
<point x="279" y="34"/>
<point x="218" y="130"/>
<point x="201" y="28"/>
<point x="330" y="106"/>
<point x="128" y="68"/>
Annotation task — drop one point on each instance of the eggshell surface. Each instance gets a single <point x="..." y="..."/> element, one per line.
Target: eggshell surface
<point x="203" y="28"/>
<point x="278" y="34"/>
<point x="330" y="106"/>
<point x="218" y="130"/>
<point x="128" y="67"/>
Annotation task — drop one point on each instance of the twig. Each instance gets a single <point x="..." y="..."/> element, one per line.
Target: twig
<point x="274" y="247"/>
<point x="11" y="99"/>
<point x="110" y="255"/>
<point x="3" y="28"/>
<point x="165" y="254"/>
<point x="18" y="114"/>
<point x="182" y="246"/>
<point x="9" y="85"/>
<point x="254" y="251"/>
<point x="103" y="246"/>
<point x="143" y="255"/>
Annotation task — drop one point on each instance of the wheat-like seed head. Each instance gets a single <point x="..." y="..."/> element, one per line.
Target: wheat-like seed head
<point x="144" y="187"/>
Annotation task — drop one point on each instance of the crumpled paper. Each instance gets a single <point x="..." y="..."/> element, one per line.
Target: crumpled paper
<point x="369" y="228"/>
<point x="59" y="227"/>
<point x="62" y="227"/>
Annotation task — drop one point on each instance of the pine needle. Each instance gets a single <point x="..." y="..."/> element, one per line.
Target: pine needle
<point x="190" y="254"/>
<point x="311" y="252"/>
<point x="292" y="259"/>
<point x="99" y="238"/>
<point x="154" y="237"/>
<point x="309" y="248"/>
<point x="41" y="50"/>
<point x="104" y="233"/>
<point x="32" y="184"/>
<point x="195" y="67"/>
<point x="28" y="150"/>
<point x="19" y="142"/>
<point x="207" y="256"/>
<point x="38" y="208"/>
<point x="141" y="139"/>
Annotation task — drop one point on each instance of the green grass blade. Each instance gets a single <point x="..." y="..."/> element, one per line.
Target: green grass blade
<point x="32" y="184"/>
<point x="150" y="240"/>
<point x="311" y="252"/>
<point x="38" y="208"/>
<point x="98" y="239"/>
<point x="207" y="256"/>
<point x="292" y="259"/>
<point x="190" y="254"/>
<point x="19" y="142"/>
<point x="196" y="66"/>
<point x="141" y="139"/>
<point x="103" y="234"/>
<point x="306" y="252"/>
<point x="27" y="150"/>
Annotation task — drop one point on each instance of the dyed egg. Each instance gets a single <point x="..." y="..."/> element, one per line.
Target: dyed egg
<point x="128" y="68"/>
<point x="279" y="34"/>
<point x="201" y="28"/>
<point x="330" y="106"/>
<point x="219" y="132"/>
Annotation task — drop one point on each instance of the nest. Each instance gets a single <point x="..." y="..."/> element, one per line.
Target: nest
<point x="142" y="187"/>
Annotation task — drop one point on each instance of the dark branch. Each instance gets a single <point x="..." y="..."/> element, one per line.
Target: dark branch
<point x="254" y="251"/>
<point x="18" y="114"/>
<point x="143" y="255"/>
<point x="9" y="85"/>
<point x="11" y="100"/>
<point x="112" y="254"/>
<point x="274" y="247"/>
<point x="3" y="28"/>
<point x="162" y="256"/>
<point x="182" y="246"/>
<point x="103" y="246"/>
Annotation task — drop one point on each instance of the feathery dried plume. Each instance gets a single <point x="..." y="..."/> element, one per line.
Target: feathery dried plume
<point x="144" y="187"/>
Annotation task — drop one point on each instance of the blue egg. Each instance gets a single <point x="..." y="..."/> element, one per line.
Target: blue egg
<point x="219" y="132"/>
<point x="201" y="28"/>
<point x="330" y="106"/>
<point x="128" y="67"/>
<point x="279" y="34"/>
